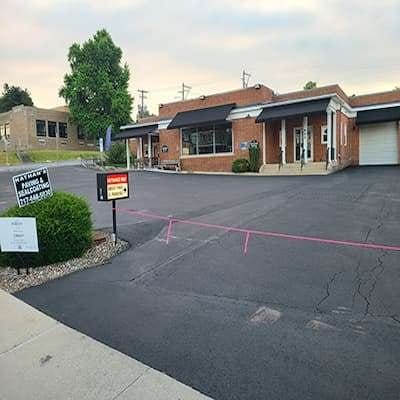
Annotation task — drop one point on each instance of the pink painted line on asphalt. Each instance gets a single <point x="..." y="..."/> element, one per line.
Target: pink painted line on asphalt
<point x="260" y="233"/>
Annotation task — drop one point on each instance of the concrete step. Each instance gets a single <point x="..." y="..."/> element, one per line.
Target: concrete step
<point x="314" y="168"/>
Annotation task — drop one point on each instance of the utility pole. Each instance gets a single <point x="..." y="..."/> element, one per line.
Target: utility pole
<point x="185" y="90"/>
<point x="245" y="79"/>
<point x="142" y="99"/>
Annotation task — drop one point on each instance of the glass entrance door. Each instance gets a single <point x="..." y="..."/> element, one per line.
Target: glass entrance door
<point x="298" y="143"/>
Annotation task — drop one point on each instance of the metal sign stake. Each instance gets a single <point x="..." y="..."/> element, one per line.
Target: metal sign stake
<point x="114" y="218"/>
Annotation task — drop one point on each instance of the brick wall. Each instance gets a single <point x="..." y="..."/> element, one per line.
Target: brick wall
<point x="272" y="129"/>
<point x="319" y="91"/>
<point x="375" y="98"/>
<point x="23" y="136"/>
<point x="240" y="97"/>
<point x="272" y="138"/>
<point x="243" y="130"/>
<point x="346" y="153"/>
<point x="171" y="138"/>
<point x="355" y="144"/>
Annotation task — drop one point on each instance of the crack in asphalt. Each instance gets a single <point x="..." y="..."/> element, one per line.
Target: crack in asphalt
<point x="328" y="285"/>
<point x="374" y="273"/>
<point x="363" y="193"/>
<point x="365" y="284"/>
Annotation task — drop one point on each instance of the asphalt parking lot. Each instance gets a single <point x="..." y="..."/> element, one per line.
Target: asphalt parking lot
<point x="290" y="319"/>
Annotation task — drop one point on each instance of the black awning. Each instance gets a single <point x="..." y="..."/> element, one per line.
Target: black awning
<point x="287" y="110"/>
<point x="138" y="131"/>
<point x="378" y="115"/>
<point x="201" y="116"/>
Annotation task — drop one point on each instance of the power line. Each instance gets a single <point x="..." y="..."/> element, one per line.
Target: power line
<point x="184" y="91"/>
<point x="245" y="79"/>
<point x="200" y="83"/>
<point x="142" y="99"/>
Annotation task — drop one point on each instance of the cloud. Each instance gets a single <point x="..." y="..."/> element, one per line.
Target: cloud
<point x="206" y="43"/>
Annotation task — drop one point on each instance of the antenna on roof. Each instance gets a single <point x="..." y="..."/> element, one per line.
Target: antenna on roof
<point x="245" y="79"/>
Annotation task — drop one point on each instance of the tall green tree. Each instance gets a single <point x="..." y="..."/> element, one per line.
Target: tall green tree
<point x="96" y="90"/>
<point x="14" y="96"/>
<point x="310" y="85"/>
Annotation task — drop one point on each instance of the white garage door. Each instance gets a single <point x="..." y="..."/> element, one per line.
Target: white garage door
<point x="378" y="144"/>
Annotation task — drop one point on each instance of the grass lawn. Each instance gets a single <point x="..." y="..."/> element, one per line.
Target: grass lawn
<point x="51" y="155"/>
<point x="12" y="158"/>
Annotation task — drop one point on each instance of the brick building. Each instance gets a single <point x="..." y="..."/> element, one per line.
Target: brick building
<point x="315" y="131"/>
<point x="29" y="128"/>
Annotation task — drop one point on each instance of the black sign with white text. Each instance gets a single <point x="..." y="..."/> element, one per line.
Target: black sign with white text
<point x="32" y="186"/>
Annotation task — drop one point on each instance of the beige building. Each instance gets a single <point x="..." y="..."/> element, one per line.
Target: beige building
<point x="33" y="128"/>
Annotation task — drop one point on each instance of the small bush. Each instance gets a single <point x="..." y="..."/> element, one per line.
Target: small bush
<point x="64" y="230"/>
<point x="254" y="156"/>
<point x="117" y="154"/>
<point x="240" y="165"/>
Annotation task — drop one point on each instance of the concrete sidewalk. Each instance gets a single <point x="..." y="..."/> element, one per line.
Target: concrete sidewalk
<point x="37" y="165"/>
<point x="41" y="358"/>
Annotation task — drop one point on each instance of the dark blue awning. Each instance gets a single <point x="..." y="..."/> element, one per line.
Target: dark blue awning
<point x="291" y="109"/>
<point x="378" y="115"/>
<point x="201" y="116"/>
<point x="133" y="132"/>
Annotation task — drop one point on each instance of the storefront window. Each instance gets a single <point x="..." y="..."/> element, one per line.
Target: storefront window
<point x="189" y="141"/>
<point x="210" y="139"/>
<point x="206" y="140"/>
<point x="223" y="139"/>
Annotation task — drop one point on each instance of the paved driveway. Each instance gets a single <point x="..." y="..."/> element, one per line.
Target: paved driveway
<point x="288" y="320"/>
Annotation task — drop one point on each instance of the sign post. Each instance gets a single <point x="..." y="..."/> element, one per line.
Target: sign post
<point x="101" y="148"/>
<point x="113" y="186"/>
<point x="114" y="219"/>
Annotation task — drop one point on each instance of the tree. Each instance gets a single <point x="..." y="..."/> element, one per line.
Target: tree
<point x="96" y="90"/>
<point x="310" y="85"/>
<point x="14" y="96"/>
<point x="396" y="88"/>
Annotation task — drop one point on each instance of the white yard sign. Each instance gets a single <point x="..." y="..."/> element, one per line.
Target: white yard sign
<point x="18" y="235"/>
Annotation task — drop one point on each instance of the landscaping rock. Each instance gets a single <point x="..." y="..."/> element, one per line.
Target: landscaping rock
<point x="99" y="254"/>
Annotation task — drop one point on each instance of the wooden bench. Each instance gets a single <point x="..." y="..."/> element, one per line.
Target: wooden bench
<point x="171" y="164"/>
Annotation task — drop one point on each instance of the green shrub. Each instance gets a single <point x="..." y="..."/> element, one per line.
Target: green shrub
<point x="240" y="165"/>
<point x="117" y="154"/>
<point x="64" y="230"/>
<point x="254" y="156"/>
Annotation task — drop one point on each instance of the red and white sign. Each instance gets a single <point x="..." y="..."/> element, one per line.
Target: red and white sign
<point x="117" y="186"/>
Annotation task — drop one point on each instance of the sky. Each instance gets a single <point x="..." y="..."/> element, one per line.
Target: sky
<point x="206" y="44"/>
